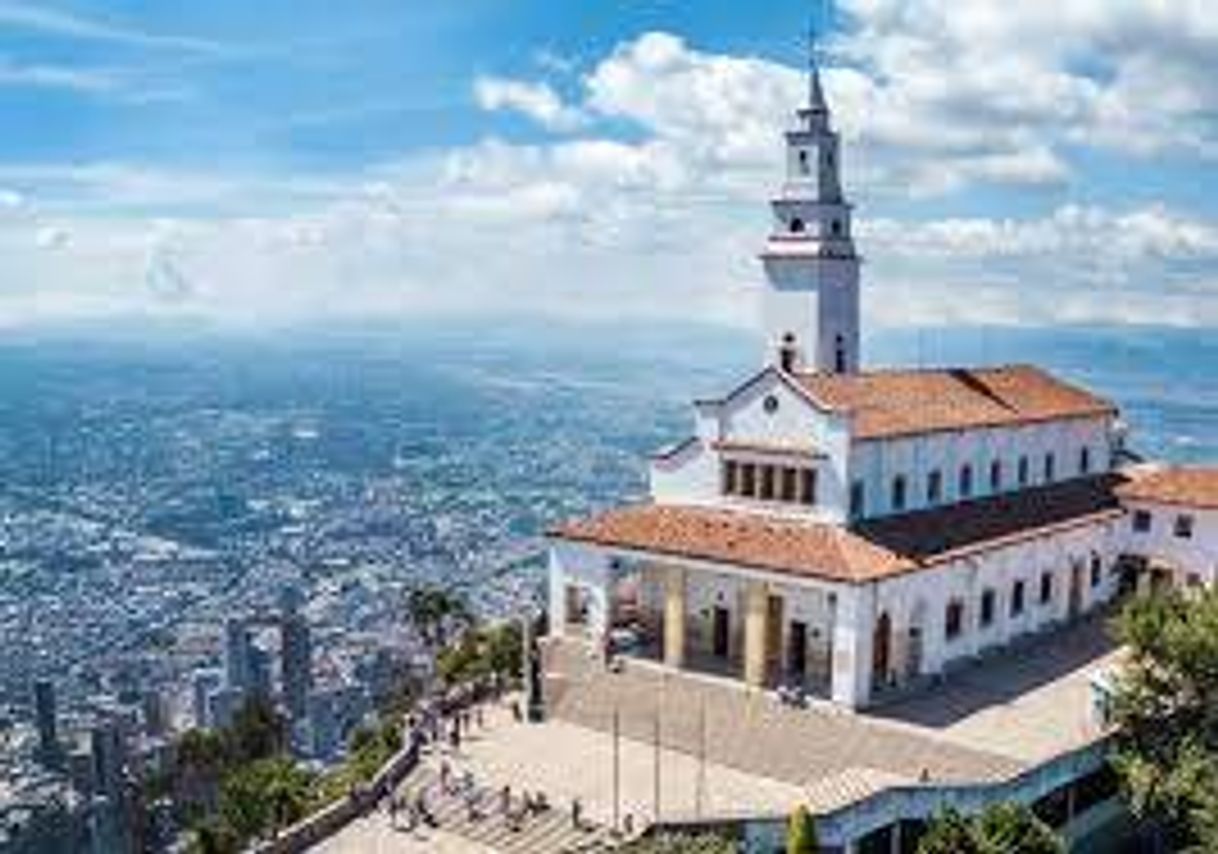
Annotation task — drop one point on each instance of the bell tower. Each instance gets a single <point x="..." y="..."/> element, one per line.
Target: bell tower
<point x="810" y="307"/>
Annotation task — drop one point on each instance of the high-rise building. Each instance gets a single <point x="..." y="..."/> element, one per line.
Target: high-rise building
<point x="297" y="664"/>
<point x="45" y="717"/>
<point x="156" y="712"/>
<point x="205" y="682"/>
<point x="107" y="745"/>
<point x="238" y="655"/>
<point x="260" y="673"/>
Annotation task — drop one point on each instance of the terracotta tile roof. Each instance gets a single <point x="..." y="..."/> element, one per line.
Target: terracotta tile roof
<point x="905" y="402"/>
<point x="873" y="550"/>
<point x="942" y="533"/>
<point x="771" y="542"/>
<point x="1193" y="486"/>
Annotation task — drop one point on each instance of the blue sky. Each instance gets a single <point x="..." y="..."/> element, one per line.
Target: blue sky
<point x="277" y="161"/>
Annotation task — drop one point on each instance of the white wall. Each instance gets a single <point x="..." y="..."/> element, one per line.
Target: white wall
<point x="966" y="579"/>
<point x="1195" y="555"/>
<point x="878" y="462"/>
<point x="692" y="476"/>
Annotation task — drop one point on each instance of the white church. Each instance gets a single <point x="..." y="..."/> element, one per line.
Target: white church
<point x="855" y="533"/>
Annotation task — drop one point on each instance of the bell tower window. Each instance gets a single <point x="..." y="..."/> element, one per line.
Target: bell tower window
<point x="797" y="225"/>
<point x="786" y="353"/>
<point x="803" y="162"/>
<point x="839" y="355"/>
<point x="836" y="228"/>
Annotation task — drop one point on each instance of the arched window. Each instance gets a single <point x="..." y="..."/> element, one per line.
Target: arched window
<point x="836" y="227"/>
<point x="803" y="161"/>
<point x="839" y="354"/>
<point x="797" y="225"/>
<point x="966" y="481"/>
<point x="898" y="493"/>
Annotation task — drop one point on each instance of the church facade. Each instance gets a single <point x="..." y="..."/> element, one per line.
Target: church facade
<point x="854" y="533"/>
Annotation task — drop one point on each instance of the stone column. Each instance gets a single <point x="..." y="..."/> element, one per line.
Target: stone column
<point x="674" y="616"/>
<point x="755" y="633"/>
<point x="852" y="627"/>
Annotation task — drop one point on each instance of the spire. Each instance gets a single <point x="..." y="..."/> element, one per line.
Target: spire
<point x="816" y="95"/>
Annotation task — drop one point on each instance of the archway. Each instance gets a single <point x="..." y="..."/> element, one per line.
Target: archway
<point x="881" y="649"/>
<point x="914" y="648"/>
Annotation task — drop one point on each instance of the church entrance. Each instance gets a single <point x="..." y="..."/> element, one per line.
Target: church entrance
<point x="881" y="650"/>
<point x="914" y="646"/>
<point x="720" y="631"/>
<point x="797" y="651"/>
<point x="1076" y="589"/>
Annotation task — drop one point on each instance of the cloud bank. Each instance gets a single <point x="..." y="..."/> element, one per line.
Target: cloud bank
<point x="644" y="194"/>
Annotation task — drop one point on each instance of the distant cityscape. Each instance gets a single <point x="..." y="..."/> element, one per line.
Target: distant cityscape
<point x="180" y="530"/>
<point x="184" y="525"/>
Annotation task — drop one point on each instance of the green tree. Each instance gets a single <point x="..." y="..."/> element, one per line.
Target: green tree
<point x="264" y="796"/>
<point x="434" y="611"/>
<point x="257" y="732"/>
<point x="1004" y="828"/>
<point x="1166" y="711"/>
<point x="801" y="832"/>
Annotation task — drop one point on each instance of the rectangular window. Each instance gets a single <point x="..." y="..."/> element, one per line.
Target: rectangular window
<point x="966" y="481"/>
<point x="731" y="477"/>
<point x="987" y="607"/>
<point x="1141" y="521"/>
<point x="1184" y="526"/>
<point x="1046" y="588"/>
<point x="788" y="484"/>
<point x="1050" y="468"/>
<point x="996" y="476"/>
<point x="767" y="483"/>
<point x="1084" y="461"/>
<point x="748" y="480"/>
<point x="934" y="487"/>
<point x="1017" y="599"/>
<point x="1023" y="471"/>
<point x="954" y="619"/>
<point x="857" y="500"/>
<point x="898" y="493"/>
<point x="807" y="492"/>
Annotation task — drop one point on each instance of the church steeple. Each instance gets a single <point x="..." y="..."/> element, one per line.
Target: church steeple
<point x="811" y="303"/>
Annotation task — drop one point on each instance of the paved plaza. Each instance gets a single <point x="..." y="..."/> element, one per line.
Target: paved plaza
<point x="729" y="751"/>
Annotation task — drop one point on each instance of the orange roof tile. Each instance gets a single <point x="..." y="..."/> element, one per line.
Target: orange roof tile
<point x="1192" y="486"/>
<point x="906" y="402"/>
<point x="872" y="550"/>
<point x="772" y="542"/>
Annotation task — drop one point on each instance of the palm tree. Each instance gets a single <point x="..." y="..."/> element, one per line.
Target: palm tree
<point x="434" y="611"/>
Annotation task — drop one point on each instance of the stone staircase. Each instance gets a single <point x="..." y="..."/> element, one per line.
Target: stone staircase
<point x="549" y="832"/>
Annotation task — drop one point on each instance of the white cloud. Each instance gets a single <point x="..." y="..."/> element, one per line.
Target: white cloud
<point x="538" y="101"/>
<point x="667" y="222"/>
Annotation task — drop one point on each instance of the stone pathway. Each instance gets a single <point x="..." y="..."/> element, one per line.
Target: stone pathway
<point x="457" y="830"/>
<point x="752" y="732"/>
